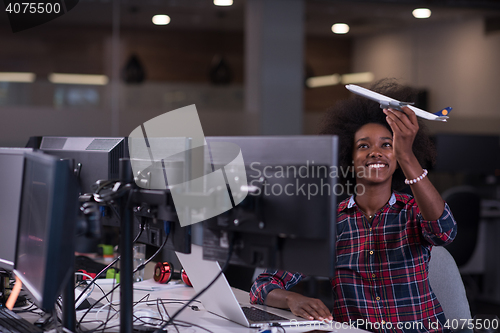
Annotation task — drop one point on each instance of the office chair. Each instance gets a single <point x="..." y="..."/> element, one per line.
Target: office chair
<point x="446" y="282"/>
<point x="447" y="285"/>
<point x="465" y="204"/>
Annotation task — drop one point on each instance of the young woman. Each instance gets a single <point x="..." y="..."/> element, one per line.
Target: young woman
<point x="384" y="237"/>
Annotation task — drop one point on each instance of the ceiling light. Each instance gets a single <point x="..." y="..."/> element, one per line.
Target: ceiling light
<point x="421" y="13"/>
<point x="340" y="28"/>
<point x="363" y="77"/>
<point x="223" y="2"/>
<point x="323" y="81"/>
<point x="161" y="19"/>
<point x="17" y="77"/>
<point x="98" y="80"/>
<point x="334" y="79"/>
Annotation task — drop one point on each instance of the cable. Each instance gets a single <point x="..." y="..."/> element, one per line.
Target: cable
<point x="168" y="316"/>
<point x="142" y="227"/>
<point x="11" y="301"/>
<point x="135" y="270"/>
<point x="226" y="264"/>
<point x="115" y="193"/>
<point x="150" y="321"/>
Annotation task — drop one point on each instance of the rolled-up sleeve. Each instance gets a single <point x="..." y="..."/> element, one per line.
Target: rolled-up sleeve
<point x="441" y="231"/>
<point x="270" y="280"/>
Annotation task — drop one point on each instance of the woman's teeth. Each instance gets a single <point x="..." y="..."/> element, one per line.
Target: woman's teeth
<point x="376" y="166"/>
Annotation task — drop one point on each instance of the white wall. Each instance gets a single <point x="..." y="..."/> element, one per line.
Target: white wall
<point x="457" y="62"/>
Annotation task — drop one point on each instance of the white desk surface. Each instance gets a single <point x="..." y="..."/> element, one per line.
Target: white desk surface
<point x="201" y="317"/>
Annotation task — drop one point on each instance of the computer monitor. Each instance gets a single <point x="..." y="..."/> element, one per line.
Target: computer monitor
<point x="11" y="175"/>
<point x="288" y="219"/>
<point x="468" y="153"/>
<point x="48" y="210"/>
<point x="98" y="159"/>
<point x="152" y="160"/>
<point x="95" y="158"/>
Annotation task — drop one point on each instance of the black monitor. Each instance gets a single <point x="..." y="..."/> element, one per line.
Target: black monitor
<point x="47" y="215"/>
<point x="468" y="153"/>
<point x="95" y="158"/>
<point x="154" y="202"/>
<point x="11" y="175"/>
<point x="288" y="219"/>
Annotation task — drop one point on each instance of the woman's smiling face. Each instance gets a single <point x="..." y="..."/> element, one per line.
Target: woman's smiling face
<point x="374" y="159"/>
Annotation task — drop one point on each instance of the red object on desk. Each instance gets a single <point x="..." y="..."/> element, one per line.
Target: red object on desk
<point x="92" y="275"/>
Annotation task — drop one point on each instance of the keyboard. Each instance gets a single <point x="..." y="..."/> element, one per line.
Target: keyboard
<point x="88" y="264"/>
<point x="258" y="315"/>
<point x="13" y="323"/>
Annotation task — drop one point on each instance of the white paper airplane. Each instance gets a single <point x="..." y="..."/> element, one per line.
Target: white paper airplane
<point x="387" y="102"/>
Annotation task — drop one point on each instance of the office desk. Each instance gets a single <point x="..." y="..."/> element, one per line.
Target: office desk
<point x="199" y="319"/>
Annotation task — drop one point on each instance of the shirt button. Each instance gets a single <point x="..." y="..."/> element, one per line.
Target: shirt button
<point x="378" y="298"/>
<point x="371" y="252"/>
<point x="370" y="229"/>
<point x="373" y="275"/>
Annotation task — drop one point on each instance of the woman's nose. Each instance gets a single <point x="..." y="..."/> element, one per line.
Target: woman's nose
<point x="375" y="153"/>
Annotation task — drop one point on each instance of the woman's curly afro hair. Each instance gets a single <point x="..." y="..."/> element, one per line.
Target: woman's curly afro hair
<point x="346" y="117"/>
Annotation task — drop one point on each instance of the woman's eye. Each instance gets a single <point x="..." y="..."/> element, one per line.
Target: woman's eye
<point x="387" y="144"/>
<point x="362" y="145"/>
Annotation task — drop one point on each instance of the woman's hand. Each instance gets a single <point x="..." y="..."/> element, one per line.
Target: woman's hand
<point x="404" y="127"/>
<point x="308" y="308"/>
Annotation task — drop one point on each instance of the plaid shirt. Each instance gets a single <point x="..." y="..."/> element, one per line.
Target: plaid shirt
<point x="382" y="267"/>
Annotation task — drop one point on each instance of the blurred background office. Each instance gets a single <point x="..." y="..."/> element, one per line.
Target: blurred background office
<point x="268" y="67"/>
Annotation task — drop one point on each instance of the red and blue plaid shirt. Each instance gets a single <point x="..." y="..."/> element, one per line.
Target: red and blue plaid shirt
<point x="382" y="267"/>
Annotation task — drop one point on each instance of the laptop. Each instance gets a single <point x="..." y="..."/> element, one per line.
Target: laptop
<point x="232" y="304"/>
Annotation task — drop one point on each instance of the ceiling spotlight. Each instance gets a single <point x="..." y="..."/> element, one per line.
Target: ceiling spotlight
<point x="340" y="28"/>
<point x="17" y="77"/>
<point x="161" y="19"/>
<point x="223" y="2"/>
<point x="59" y="78"/>
<point x="421" y="13"/>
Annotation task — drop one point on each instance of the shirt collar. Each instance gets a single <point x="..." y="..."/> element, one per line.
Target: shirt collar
<point x="351" y="203"/>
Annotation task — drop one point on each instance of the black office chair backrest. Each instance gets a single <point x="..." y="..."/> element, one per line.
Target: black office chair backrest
<point x="465" y="204"/>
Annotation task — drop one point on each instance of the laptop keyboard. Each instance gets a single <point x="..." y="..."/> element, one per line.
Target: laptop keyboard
<point x="258" y="315"/>
<point x="12" y="322"/>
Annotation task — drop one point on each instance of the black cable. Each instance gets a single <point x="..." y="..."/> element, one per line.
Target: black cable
<point x="110" y="305"/>
<point x="226" y="264"/>
<point x="142" y="227"/>
<point x="180" y="323"/>
<point x="164" y="308"/>
<point x="110" y="196"/>
<point x="117" y="285"/>
<point x="280" y="327"/>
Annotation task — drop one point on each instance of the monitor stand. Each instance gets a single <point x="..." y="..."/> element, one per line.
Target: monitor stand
<point x="4" y="279"/>
<point x="68" y="300"/>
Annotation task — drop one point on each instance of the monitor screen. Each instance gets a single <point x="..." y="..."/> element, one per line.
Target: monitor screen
<point x="47" y="215"/>
<point x="11" y="174"/>
<point x="289" y="214"/>
<point x="467" y="153"/>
